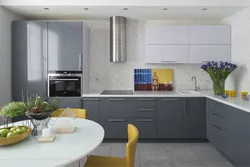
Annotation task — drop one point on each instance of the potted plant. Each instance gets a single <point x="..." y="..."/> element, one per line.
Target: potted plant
<point x="13" y="112"/>
<point x="219" y="71"/>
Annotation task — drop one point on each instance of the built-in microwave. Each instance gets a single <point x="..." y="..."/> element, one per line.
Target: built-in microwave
<point x="65" y="84"/>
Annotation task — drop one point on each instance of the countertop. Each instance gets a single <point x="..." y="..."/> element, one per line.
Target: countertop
<point x="236" y="102"/>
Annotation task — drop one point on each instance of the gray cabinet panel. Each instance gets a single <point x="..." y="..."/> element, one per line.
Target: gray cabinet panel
<point x="194" y="118"/>
<point x="29" y="59"/>
<point x="146" y="126"/>
<point x="70" y="102"/>
<point x="65" y="45"/>
<point x="92" y="105"/>
<point x="170" y="111"/>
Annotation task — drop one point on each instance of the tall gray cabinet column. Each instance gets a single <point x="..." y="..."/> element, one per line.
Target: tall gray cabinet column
<point x="29" y="59"/>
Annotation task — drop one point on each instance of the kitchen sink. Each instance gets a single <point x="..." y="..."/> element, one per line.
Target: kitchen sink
<point x="188" y="92"/>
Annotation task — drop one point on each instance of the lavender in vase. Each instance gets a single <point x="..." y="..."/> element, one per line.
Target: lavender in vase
<point x="218" y="71"/>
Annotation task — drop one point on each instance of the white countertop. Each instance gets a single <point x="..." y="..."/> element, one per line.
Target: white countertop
<point x="236" y="102"/>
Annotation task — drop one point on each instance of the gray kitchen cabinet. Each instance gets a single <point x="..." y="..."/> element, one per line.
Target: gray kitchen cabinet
<point x="65" y="46"/>
<point x="71" y="102"/>
<point x="147" y="127"/>
<point x="169" y="117"/>
<point x="29" y="59"/>
<point x="92" y="105"/>
<point x="194" y="118"/>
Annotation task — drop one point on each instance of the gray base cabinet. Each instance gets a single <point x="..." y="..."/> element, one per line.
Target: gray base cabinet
<point x="71" y="102"/>
<point x="227" y="130"/>
<point x="92" y="105"/>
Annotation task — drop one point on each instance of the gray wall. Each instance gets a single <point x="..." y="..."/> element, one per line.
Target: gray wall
<point x="6" y="17"/>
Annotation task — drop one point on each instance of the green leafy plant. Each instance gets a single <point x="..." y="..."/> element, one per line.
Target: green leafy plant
<point x="35" y="105"/>
<point x="13" y="109"/>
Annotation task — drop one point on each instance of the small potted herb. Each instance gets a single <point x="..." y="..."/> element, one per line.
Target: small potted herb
<point x="13" y="112"/>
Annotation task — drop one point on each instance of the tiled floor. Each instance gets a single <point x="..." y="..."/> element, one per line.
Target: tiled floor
<point x="169" y="154"/>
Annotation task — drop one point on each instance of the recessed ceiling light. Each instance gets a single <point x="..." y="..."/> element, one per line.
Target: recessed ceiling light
<point x="125" y="8"/>
<point x="165" y="9"/>
<point x="86" y="9"/>
<point x="46" y="8"/>
<point x="204" y="9"/>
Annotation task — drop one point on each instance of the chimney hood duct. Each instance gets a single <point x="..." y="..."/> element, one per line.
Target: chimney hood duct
<point x="118" y="39"/>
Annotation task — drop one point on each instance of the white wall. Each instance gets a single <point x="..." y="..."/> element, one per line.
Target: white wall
<point x="6" y="17"/>
<point x="240" y="23"/>
<point x="106" y="75"/>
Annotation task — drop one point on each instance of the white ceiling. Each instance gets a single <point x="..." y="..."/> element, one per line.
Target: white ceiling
<point x="144" y="13"/>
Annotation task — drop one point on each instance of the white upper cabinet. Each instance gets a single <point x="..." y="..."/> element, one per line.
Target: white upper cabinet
<point x="167" y="54"/>
<point x="210" y="34"/>
<point x="166" y="35"/>
<point x="204" y="53"/>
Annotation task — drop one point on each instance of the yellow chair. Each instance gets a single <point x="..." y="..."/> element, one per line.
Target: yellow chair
<point x="128" y="161"/>
<point x="80" y="113"/>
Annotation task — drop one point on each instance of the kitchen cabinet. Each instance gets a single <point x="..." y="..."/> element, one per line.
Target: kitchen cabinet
<point x="194" y="118"/>
<point x="65" y="46"/>
<point x="71" y="102"/>
<point x="92" y="105"/>
<point x="169" y="117"/>
<point x="29" y="59"/>
<point x="210" y="34"/>
<point x="166" y="35"/>
<point x="205" y="53"/>
<point x="167" y="54"/>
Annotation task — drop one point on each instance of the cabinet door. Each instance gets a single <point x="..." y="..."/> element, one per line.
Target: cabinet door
<point x="92" y="105"/>
<point x="170" y="112"/>
<point x="65" y="45"/>
<point x="166" y="53"/>
<point x="204" y="53"/>
<point x="210" y="35"/>
<point x="167" y="35"/>
<point x="70" y="102"/>
<point x="194" y="119"/>
<point x="19" y="60"/>
<point x="146" y="126"/>
<point x="37" y="58"/>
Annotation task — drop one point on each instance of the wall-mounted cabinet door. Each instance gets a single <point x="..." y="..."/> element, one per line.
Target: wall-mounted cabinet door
<point x="166" y="53"/>
<point x="167" y="34"/>
<point x="204" y="53"/>
<point x="65" y="46"/>
<point x="209" y="34"/>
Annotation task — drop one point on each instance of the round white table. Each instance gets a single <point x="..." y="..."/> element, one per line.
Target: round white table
<point x="66" y="149"/>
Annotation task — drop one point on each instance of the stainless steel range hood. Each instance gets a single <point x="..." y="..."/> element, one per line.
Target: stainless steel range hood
<point x="118" y="39"/>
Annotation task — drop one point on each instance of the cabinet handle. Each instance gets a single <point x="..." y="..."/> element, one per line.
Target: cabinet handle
<point x="168" y="61"/>
<point x="27" y="94"/>
<point x="22" y="96"/>
<point x="146" y="120"/>
<point x="145" y="99"/>
<point x="216" y="126"/>
<point x="117" y="120"/>
<point x="80" y="62"/>
<point x="217" y="115"/>
<point x="116" y="99"/>
<point x="146" y="109"/>
<point x="170" y="99"/>
<point x="91" y="99"/>
<point x="46" y="89"/>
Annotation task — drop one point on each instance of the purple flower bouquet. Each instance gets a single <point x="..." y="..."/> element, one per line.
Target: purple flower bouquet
<point x="218" y="71"/>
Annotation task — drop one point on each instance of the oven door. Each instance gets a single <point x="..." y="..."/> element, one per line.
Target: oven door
<point x="64" y="86"/>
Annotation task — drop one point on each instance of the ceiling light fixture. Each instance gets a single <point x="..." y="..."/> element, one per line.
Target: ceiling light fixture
<point x="46" y="8"/>
<point x="85" y="8"/>
<point x="204" y="9"/>
<point x="125" y="8"/>
<point x="165" y="9"/>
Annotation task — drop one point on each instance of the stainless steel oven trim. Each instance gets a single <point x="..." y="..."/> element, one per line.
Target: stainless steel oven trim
<point x="64" y="75"/>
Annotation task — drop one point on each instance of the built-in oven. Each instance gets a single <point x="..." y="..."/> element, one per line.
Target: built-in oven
<point x="65" y="84"/>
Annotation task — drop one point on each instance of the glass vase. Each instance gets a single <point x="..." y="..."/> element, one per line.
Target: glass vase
<point x="218" y="86"/>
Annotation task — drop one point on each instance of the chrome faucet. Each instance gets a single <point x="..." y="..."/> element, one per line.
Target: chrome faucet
<point x="195" y="83"/>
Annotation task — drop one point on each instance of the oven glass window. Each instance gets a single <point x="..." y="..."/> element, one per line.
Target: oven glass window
<point x="64" y="86"/>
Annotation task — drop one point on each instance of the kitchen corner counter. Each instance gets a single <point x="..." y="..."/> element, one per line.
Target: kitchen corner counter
<point x="236" y="102"/>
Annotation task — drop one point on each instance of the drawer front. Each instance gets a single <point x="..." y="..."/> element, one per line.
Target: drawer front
<point x="146" y="126"/>
<point x="116" y="108"/>
<point x="115" y="128"/>
<point x="145" y="103"/>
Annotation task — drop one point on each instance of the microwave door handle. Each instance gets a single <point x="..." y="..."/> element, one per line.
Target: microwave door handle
<point x="63" y="79"/>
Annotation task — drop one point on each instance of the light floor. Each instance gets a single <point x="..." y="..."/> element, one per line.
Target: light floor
<point x="169" y="154"/>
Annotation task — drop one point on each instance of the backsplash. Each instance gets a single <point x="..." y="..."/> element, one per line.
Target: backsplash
<point x="106" y="75"/>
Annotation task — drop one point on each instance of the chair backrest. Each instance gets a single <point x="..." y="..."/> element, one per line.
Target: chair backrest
<point x="133" y="135"/>
<point x="80" y="113"/>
